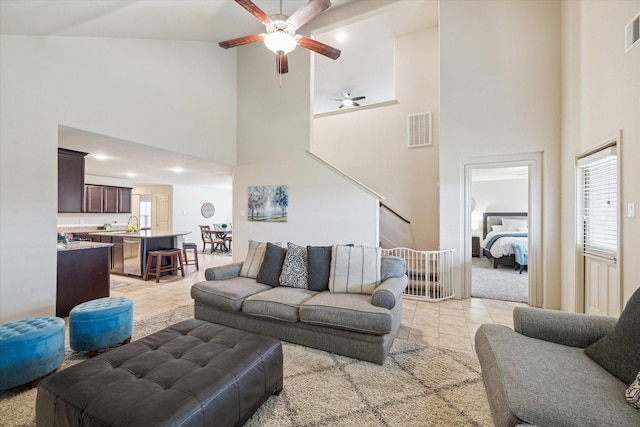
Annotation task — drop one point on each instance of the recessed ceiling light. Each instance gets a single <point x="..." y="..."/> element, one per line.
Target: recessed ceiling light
<point x="131" y="175"/>
<point x="178" y="169"/>
<point x="100" y="156"/>
<point x="341" y="36"/>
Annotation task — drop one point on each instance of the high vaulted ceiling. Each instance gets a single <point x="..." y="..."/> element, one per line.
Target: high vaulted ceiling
<point x="365" y="26"/>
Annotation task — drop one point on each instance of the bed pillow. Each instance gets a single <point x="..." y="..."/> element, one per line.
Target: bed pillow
<point x="354" y="269"/>
<point x="523" y="230"/>
<point x="513" y="224"/>
<point x="271" y="267"/>
<point x="252" y="263"/>
<point x="496" y="228"/>
<point x="294" y="270"/>
<point x="619" y="351"/>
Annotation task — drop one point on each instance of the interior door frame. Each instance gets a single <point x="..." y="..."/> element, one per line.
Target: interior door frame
<point x="533" y="161"/>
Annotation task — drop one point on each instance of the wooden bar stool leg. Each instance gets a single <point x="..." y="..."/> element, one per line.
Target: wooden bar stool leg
<point x="181" y="263"/>
<point x="146" y="270"/>
<point x="158" y="266"/>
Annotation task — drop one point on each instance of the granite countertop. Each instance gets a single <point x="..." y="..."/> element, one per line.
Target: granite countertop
<point x="146" y="234"/>
<point x="72" y="246"/>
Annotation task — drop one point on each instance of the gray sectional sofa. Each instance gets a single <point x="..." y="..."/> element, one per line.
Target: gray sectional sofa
<point x="360" y="325"/>
<point x="563" y="369"/>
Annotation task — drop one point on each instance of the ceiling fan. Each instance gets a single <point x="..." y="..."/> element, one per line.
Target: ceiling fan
<point x="281" y="35"/>
<point x="348" y="101"/>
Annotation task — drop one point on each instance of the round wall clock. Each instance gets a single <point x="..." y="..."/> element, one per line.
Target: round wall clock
<point x="207" y="209"/>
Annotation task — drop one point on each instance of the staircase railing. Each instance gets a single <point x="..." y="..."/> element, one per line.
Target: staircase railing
<point x="430" y="273"/>
<point x="382" y="205"/>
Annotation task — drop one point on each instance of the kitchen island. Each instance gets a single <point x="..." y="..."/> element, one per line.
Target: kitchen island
<point x="83" y="274"/>
<point x="129" y="252"/>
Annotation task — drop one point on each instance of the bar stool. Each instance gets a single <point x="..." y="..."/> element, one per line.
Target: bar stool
<point x="190" y="247"/>
<point x="159" y="268"/>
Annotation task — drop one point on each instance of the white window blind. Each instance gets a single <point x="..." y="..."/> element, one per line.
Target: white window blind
<point x="598" y="174"/>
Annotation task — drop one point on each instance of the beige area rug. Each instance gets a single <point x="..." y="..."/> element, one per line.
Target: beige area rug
<point x="417" y="386"/>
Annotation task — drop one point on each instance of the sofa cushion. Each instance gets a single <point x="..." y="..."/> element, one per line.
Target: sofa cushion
<point x="354" y="269"/>
<point x="538" y="382"/>
<point x="280" y="303"/>
<point x="633" y="393"/>
<point x="352" y="312"/>
<point x="252" y="263"/>
<point x="226" y="295"/>
<point x="391" y="266"/>
<point x="294" y="269"/>
<point x="271" y="267"/>
<point x="619" y="351"/>
<point x="319" y="263"/>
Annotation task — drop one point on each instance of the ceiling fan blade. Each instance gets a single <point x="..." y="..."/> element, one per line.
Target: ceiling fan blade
<point x="316" y="46"/>
<point x="341" y="105"/>
<point x="255" y="11"/>
<point x="282" y="64"/>
<point x="355" y="104"/>
<point x="358" y="98"/>
<point x="241" y="41"/>
<point x="306" y="13"/>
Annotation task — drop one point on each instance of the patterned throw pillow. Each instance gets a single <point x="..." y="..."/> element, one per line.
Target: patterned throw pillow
<point x="354" y="269"/>
<point x="252" y="263"/>
<point x="633" y="393"/>
<point x="294" y="270"/>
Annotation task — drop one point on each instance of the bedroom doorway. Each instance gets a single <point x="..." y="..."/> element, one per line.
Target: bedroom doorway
<point x="499" y="228"/>
<point x="527" y="203"/>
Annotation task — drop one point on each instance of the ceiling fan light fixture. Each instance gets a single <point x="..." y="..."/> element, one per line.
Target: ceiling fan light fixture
<point x="280" y="42"/>
<point x="347" y="102"/>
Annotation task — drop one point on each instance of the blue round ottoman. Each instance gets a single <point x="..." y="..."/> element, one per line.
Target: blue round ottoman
<point x="29" y="350"/>
<point x="100" y="323"/>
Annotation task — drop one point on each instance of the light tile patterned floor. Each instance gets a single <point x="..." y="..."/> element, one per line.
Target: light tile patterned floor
<point x="448" y="324"/>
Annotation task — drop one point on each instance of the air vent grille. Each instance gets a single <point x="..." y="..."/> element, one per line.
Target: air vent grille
<point x="419" y="130"/>
<point x="632" y="33"/>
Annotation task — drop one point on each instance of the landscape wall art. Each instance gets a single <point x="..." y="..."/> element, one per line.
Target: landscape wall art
<point x="268" y="203"/>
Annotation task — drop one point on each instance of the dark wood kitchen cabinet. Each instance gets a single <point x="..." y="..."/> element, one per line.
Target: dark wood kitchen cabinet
<point x="93" y="198"/>
<point x="70" y="181"/>
<point x="82" y="275"/>
<point x="124" y="200"/>
<point x="107" y="199"/>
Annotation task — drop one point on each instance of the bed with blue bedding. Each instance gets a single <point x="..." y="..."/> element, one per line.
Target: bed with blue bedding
<point x="501" y="231"/>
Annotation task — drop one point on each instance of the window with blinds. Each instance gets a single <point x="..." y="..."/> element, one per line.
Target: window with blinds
<point x="598" y="177"/>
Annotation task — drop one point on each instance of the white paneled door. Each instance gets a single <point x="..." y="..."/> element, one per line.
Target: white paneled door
<point x="162" y="212"/>
<point x="598" y="236"/>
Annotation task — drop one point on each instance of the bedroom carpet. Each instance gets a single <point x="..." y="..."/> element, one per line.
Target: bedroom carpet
<point x="503" y="283"/>
<point x="417" y="385"/>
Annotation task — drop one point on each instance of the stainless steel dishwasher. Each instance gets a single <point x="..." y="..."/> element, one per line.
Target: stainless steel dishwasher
<point x="131" y="255"/>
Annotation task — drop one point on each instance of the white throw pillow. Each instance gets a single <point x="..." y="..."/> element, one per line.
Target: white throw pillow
<point x="252" y="263"/>
<point x="523" y="230"/>
<point x="513" y="224"/>
<point x="496" y="227"/>
<point x="354" y="269"/>
<point x="633" y="393"/>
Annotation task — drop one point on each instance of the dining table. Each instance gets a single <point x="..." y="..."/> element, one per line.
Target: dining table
<point x="225" y="235"/>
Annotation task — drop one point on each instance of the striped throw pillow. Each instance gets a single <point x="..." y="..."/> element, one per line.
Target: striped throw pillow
<point x="252" y="263"/>
<point x="354" y="269"/>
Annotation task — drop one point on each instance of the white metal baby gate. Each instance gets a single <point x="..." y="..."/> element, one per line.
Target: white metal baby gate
<point x="430" y="273"/>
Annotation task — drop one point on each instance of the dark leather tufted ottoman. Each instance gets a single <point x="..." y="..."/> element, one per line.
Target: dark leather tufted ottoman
<point x="193" y="373"/>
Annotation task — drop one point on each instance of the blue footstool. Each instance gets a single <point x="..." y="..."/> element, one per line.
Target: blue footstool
<point x="100" y="323"/>
<point x="29" y="350"/>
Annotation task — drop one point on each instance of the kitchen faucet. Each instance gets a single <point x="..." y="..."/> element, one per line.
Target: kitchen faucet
<point x="137" y="221"/>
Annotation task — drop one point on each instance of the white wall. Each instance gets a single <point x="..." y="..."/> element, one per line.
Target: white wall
<point x="371" y="144"/>
<point x="167" y="94"/>
<point x="274" y="130"/>
<point x="500" y="94"/>
<point x="601" y="96"/>
<point x="187" y="202"/>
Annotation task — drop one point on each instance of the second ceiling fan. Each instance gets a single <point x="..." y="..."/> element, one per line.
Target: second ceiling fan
<point x="281" y="35"/>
